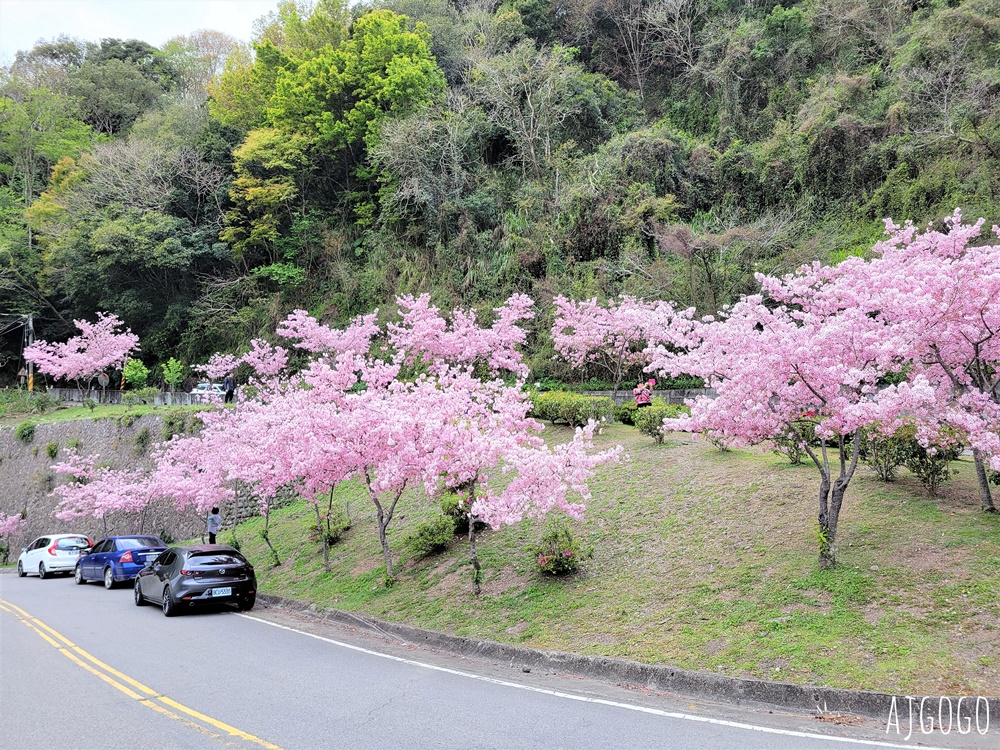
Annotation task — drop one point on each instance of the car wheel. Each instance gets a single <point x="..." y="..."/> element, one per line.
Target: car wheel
<point x="139" y="599"/>
<point x="169" y="608"/>
<point x="20" y="570"/>
<point x="245" y="604"/>
<point x="78" y="575"/>
<point x="109" y="578"/>
<point x="41" y="571"/>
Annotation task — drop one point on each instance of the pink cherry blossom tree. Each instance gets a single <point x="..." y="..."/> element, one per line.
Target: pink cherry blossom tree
<point x="99" y="346"/>
<point x="10" y="529"/>
<point x="424" y="335"/>
<point x="781" y="363"/>
<point x="615" y="337"/>
<point x="99" y="492"/>
<point x="939" y="291"/>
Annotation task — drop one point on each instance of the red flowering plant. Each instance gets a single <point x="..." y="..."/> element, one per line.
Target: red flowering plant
<point x="558" y="553"/>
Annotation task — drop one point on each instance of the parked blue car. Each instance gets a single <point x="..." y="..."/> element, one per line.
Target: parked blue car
<point x="117" y="558"/>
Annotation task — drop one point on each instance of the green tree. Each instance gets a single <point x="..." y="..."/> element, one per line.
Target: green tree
<point x="135" y="373"/>
<point x="340" y="96"/>
<point x="173" y="373"/>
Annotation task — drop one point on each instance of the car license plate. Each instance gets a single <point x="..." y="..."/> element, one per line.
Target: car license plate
<point x="228" y="591"/>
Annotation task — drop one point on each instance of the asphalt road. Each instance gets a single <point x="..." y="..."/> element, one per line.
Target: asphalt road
<point x="82" y="668"/>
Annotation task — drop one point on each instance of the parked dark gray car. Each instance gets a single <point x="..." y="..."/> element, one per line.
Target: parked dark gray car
<point x="181" y="577"/>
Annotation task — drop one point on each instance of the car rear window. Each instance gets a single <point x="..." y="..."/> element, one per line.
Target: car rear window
<point x="140" y="541"/>
<point x="216" y="558"/>
<point x="75" y="542"/>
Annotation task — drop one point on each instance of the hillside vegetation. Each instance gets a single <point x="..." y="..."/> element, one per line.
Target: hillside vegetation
<point x="702" y="559"/>
<point x="664" y="148"/>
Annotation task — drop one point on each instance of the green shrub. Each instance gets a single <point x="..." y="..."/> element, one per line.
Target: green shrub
<point x="90" y="403"/>
<point x="178" y="421"/>
<point x="558" y="552"/>
<point x="570" y="408"/>
<point x="649" y="419"/>
<point x="140" y="396"/>
<point x="42" y="402"/>
<point x="931" y="465"/>
<point x="452" y="505"/>
<point x="142" y="440"/>
<point x="789" y="444"/>
<point x="25" y="432"/>
<point x="883" y="454"/>
<point x="73" y="443"/>
<point x="626" y="412"/>
<point x="52" y="450"/>
<point x="431" y="537"/>
<point x="336" y="525"/>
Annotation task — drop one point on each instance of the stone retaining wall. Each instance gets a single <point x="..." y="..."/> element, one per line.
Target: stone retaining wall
<point x="26" y="477"/>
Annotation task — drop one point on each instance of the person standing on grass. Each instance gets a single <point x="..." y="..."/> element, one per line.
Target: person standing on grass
<point x="214" y="524"/>
<point x="229" y="386"/>
<point x="643" y="394"/>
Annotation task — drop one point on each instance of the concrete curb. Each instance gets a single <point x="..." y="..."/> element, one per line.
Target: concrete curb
<point x="737" y="690"/>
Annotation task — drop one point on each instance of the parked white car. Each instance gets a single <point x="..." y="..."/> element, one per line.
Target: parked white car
<point x="208" y="389"/>
<point x="52" y="553"/>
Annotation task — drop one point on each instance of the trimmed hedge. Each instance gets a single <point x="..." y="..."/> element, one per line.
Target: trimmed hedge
<point x="570" y="408"/>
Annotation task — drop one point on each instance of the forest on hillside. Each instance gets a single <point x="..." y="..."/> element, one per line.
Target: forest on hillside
<point x="667" y="149"/>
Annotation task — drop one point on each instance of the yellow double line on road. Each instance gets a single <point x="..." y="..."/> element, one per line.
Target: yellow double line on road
<point x="132" y="688"/>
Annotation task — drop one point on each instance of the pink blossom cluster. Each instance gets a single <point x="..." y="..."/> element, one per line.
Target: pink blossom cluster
<point x="97" y="491"/>
<point x="99" y="346"/>
<point x="618" y="335"/>
<point x="425" y="335"/>
<point x="10" y="526"/>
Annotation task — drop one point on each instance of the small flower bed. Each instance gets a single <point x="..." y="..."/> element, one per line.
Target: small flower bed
<point x="558" y="553"/>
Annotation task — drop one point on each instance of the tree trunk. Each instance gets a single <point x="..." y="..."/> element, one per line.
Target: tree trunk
<point x="267" y="537"/>
<point x="383" y="522"/>
<point x="384" y="517"/>
<point x="826" y="554"/>
<point x="477" y="571"/>
<point x="319" y="530"/>
<point x="985" y="496"/>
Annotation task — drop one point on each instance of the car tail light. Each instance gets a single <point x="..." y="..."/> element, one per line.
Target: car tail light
<point x="52" y="549"/>
<point x="127" y="557"/>
<point x="187" y="572"/>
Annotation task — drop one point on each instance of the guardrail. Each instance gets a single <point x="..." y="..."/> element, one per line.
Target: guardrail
<point x="112" y="396"/>
<point x="672" y="396"/>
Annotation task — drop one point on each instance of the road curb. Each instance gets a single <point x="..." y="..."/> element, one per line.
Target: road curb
<point x="737" y="690"/>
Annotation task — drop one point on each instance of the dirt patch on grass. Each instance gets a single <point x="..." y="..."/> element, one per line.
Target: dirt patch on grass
<point x="509" y="580"/>
<point x="367" y="565"/>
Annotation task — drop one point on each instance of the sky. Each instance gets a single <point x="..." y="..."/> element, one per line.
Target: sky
<point x="23" y="22"/>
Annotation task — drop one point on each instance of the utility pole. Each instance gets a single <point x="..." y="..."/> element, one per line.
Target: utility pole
<point x="29" y="339"/>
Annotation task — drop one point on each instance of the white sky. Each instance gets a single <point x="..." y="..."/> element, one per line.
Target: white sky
<point x="23" y="22"/>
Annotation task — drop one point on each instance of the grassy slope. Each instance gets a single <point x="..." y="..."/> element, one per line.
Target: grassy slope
<point x="704" y="560"/>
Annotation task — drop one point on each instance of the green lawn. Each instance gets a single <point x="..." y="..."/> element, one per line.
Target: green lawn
<point x="703" y="560"/>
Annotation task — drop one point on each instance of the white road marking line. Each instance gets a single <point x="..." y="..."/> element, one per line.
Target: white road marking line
<point x="586" y="699"/>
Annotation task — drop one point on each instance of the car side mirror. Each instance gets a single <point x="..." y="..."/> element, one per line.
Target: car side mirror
<point x="24" y="549"/>
<point x="86" y="551"/>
